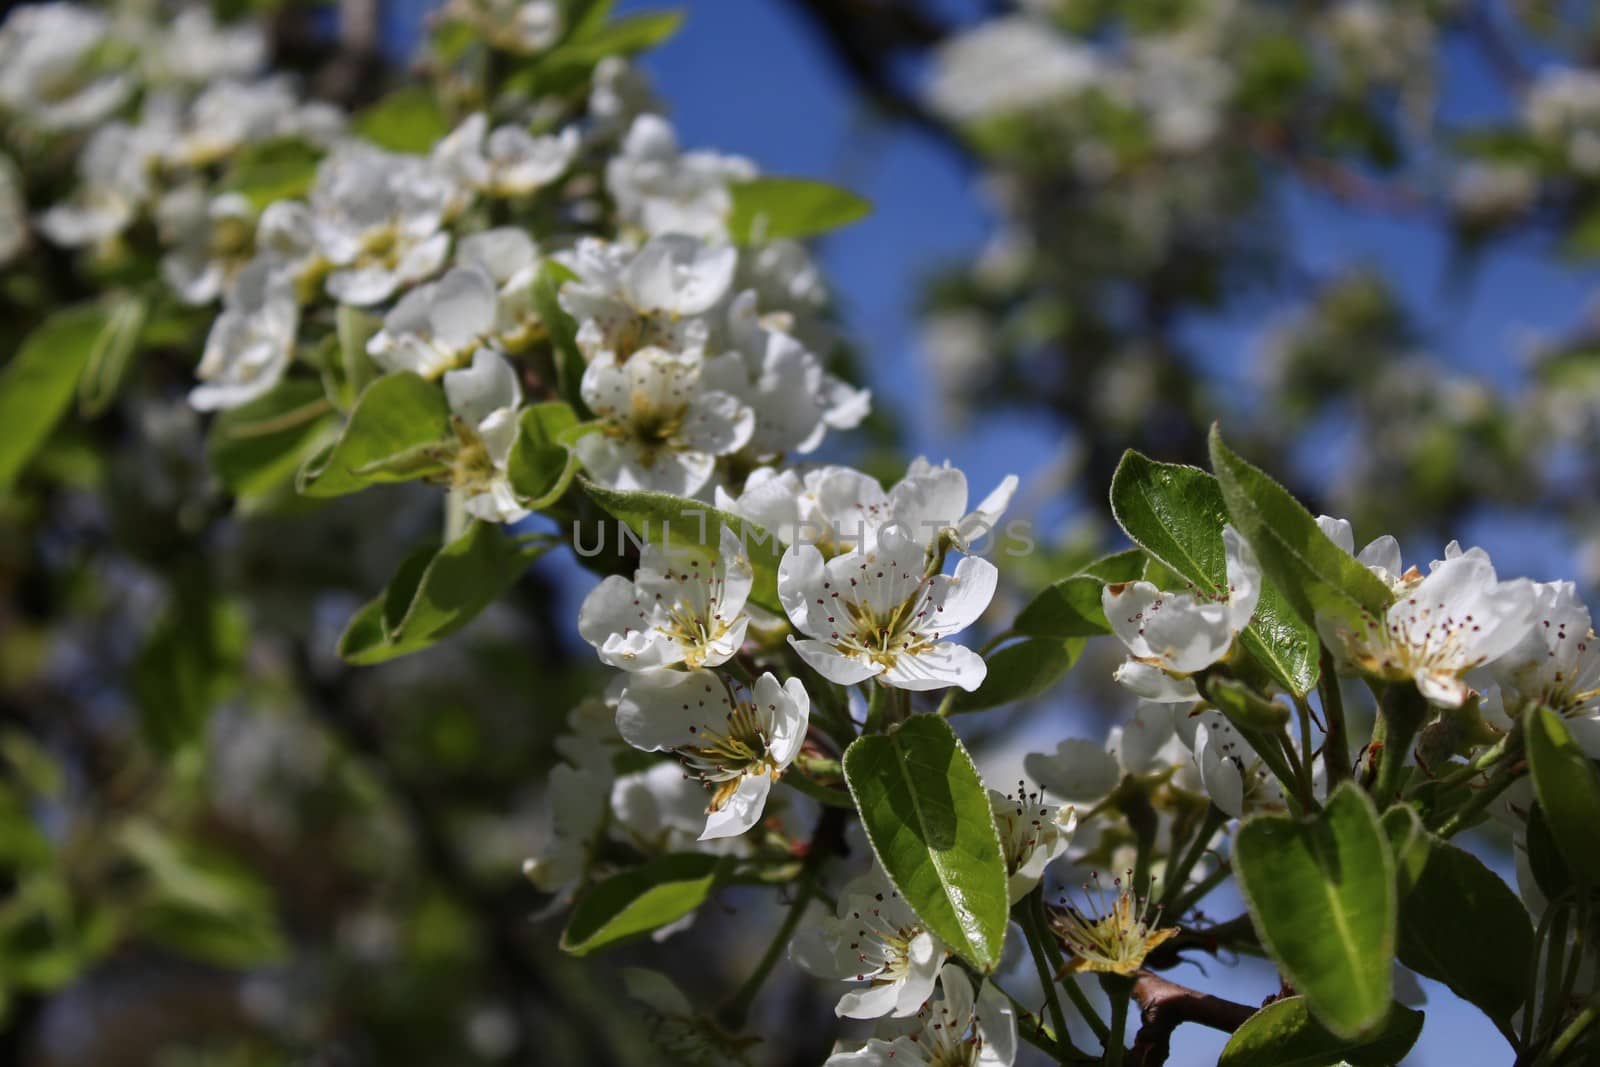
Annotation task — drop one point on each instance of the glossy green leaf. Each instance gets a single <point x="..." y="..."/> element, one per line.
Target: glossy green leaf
<point x="255" y="450"/>
<point x="407" y="120"/>
<point x="1176" y="514"/>
<point x="434" y="594"/>
<point x="927" y="814"/>
<point x="542" y="465"/>
<point x="1460" y="924"/>
<point x="1284" y="1034"/>
<point x="770" y="209"/>
<point x="1067" y="608"/>
<point x="1321" y="893"/>
<point x="38" y="382"/>
<point x="112" y="355"/>
<point x="690" y="522"/>
<point x="396" y="415"/>
<point x="1021" y="670"/>
<point x="1315" y="575"/>
<point x="1568" y="788"/>
<point x="639" y="900"/>
<point x="1125" y="566"/>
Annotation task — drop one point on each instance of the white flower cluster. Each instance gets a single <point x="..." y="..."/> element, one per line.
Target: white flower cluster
<point x="701" y="357"/>
<point x="1453" y="631"/>
<point x="877" y="606"/>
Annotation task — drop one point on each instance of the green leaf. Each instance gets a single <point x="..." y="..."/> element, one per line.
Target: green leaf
<point x="1321" y="894"/>
<point x="927" y="814"/>
<point x="542" y="466"/>
<point x="1550" y="871"/>
<point x="1066" y="608"/>
<point x="1460" y="924"/>
<point x="434" y="594"/>
<point x="595" y="39"/>
<point x="394" y="415"/>
<point x="770" y="209"/>
<point x="203" y="903"/>
<point x="1021" y="670"/>
<point x="563" y="330"/>
<point x="1408" y="844"/>
<point x="265" y="173"/>
<point x="187" y="664"/>
<point x="1284" y="1034"/>
<point x="1315" y="575"/>
<point x="1568" y="789"/>
<point x="691" y="522"/>
<point x="37" y="384"/>
<point x="639" y="900"/>
<point x="407" y="120"/>
<point x="1176" y="514"/>
<point x="111" y="357"/>
<point x="1245" y="708"/>
<point x="1125" y="566"/>
<point x="256" y="449"/>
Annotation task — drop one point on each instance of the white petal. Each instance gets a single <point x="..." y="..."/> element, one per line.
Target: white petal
<point x="1079" y="770"/>
<point x="832" y="664"/>
<point x="740" y="811"/>
<point x="488" y="385"/>
<point x="939" y="667"/>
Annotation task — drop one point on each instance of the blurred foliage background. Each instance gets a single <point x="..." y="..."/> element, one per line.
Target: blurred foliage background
<point x="221" y="845"/>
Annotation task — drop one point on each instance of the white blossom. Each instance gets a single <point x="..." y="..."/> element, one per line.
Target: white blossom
<point x="1458" y="618"/>
<point x="1032" y="835"/>
<point x="115" y="170"/>
<point x="1557" y="663"/>
<point x="1078" y="770"/>
<point x="1381" y="556"/>
<point x="436" y="326"/>
<point x="877" y="613"/>
<point x="1170" y="633"/>
<point x="378" y="219"/>
<point x="251" y="342"/>
<point x="192" y="49"/>
<point x="209" y="239"/>
<point x="1230" y="771"/>
<point x="838" y="509"/>
<point x="661" y="428"/>
<point x="619" y="93"/>
<point x="875" y="939"/>
<point x="50" y="71"/>
<point x="626" y="300"/>
<point x="665" y="191"/>
<point x="684" y="605"/>
<point x="1007" y="65"/>
<point x="663" y="809"/>
<point x="952" y="1030"/>
<point x="511" y="259"/>
<point x="484" y="400"/>
<point x="737" y="742"/>
<point x="508" y="161"/>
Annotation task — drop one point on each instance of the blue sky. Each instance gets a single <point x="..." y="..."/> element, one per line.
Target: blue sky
<point x="748" y="77"/>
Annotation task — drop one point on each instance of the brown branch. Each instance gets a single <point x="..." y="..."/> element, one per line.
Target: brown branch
<point x="1163" y="1005"/>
